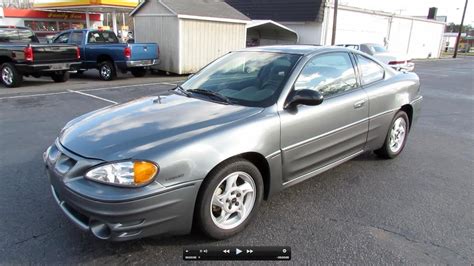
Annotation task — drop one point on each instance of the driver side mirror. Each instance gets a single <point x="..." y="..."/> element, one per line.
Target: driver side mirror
<point x="304" y="97"/>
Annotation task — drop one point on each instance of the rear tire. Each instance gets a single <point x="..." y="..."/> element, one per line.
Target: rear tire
<point x="396" y="137"/>
<point x="107" y="71"/>
<point x="138" y="72"/>
<point x="10" y="76"/>
<point x="229" y="199"/>
<point x="60" y="76"/>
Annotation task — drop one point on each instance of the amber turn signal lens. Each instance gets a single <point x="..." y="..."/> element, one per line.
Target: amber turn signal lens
<point x="144" y="172"/>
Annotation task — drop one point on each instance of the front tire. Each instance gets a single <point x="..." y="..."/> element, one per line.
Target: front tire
<point x="60" y="76"/>
<point x="138" y="72"/>
<point x="107" y="71"/>
<point x="229" y="199"/>
<point x="10" y="76"/>
<point x="396" y="137"/>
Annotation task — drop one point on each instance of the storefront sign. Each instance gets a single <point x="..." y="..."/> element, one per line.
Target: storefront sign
<point x="79" y="3"/>
<point x="28" y="13"/>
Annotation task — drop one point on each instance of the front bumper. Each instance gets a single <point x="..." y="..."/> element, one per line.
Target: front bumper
<point x="165" y="210"/>
<point x="143" y="63"/>
<point x="51" y="67"/>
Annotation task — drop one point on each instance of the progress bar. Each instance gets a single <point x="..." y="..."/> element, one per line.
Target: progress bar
<point x="237" y="253"/>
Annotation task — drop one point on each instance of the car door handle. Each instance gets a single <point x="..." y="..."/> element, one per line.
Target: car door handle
<point x="359" y="104"/>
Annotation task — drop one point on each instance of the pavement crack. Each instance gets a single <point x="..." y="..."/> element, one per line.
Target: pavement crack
<point x="35" y="236"/>
<point x="404" y="236"/>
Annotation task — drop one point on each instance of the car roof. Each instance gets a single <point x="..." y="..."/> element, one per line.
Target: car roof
<point x="296" y="49"/>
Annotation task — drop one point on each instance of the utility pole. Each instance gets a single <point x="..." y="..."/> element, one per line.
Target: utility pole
<point x="458" y="39"/>
<point x="334" y="22"/>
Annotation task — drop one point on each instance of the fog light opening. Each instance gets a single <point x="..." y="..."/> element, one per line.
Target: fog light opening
<point x="100" y="229"/>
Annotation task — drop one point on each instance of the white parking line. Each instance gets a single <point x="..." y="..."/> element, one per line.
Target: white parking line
<point x="96" y="89"/>
<point x="128" y="86"/>
<point x="34" y="95"/>
<point x="93" y="96"/>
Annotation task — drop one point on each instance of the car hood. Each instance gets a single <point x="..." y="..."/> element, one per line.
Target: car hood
<point x="121" y="131"/>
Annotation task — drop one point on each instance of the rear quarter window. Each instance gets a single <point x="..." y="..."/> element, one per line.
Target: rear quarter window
<point x="370" y="71"/>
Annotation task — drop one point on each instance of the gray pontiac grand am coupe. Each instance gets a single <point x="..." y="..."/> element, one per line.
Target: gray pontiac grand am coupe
<point x="246" y="126"/>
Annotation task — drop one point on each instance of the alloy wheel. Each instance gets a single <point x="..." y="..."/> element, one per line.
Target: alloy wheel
<point x="233" y="200"/>
<point x="7" y="75"/>
<point x="105" y="71"/>
<point x="397" y="135"/>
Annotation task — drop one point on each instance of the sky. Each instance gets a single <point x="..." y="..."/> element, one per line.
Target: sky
<point x="451" y="8"/>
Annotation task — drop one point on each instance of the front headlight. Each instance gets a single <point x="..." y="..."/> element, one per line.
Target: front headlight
<point x="127" y="173"/>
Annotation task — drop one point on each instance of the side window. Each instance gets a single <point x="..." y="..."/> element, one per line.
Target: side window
<point x="93" y="37"/>
<point x="330" y="74"/>
<point x="63" y="38"/>
<point x="102" y="37"/>
<point x="370" y="70"/>
<point x="76" y="37"/>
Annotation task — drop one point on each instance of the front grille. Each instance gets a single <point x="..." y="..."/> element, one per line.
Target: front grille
<point x="62" y="163"/>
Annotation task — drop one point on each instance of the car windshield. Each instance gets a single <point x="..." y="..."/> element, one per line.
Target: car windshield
<point x="376" y="49"/>
<point x="244" y="78"/>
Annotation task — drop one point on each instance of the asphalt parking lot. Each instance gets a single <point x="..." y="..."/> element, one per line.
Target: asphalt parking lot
<point x="417" y="208"/>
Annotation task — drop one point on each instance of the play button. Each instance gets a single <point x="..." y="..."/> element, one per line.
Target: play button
<point x="237" y="251"/>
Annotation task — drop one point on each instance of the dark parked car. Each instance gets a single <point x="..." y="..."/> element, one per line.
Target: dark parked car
<point x="21" y="54"/>
<point x="246" y="126"/>
<point x="102" y="50"/>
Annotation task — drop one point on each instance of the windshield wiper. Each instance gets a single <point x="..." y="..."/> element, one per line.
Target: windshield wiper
<point x="217" y="95"/>
<point x="181" y="90"/>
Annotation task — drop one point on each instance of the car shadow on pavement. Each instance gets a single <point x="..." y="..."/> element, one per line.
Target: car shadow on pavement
<point x="368" y="156"/>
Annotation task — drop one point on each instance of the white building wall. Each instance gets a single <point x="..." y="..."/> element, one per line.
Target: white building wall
<point x="359" y="27"/>
<point x="155" y="23"/>
<point x="12" y="21"/>
<point x="419" y="38"/>
<point x="309" y="32"/>
<point x="203" y="41"/>
<point x="399" y="35"/>
<point x="164" y="31"/>
<point x="426" y="39"/>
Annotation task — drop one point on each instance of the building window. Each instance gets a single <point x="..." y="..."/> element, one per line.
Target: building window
<point x="41" y="25"/>
<point x="63" y="25"/>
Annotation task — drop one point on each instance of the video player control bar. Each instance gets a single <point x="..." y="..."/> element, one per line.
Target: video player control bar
<point x="237" y="253"/>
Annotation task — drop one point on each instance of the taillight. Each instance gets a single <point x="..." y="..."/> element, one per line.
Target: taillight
<point x="158" y="51"/>
<point x="28" y="51"/>
<point x="396" y="62"/>
<point x="127" y="52"/>
<point x="78" y="53"/>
